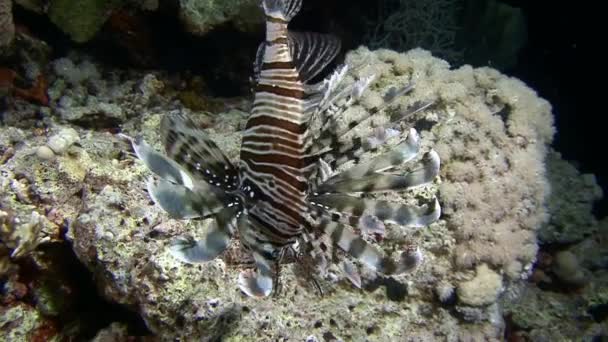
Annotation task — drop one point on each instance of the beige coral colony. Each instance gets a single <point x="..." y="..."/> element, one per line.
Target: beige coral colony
<point x="383" y="192"/>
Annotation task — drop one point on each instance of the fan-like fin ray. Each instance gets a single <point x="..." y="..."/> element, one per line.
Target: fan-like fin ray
<point x="159" y="164"/>
<point x="282" y="9"/>
<point x="190" y="147"/>
<point x="361" y="250"/>
<point x="384" y="182"/>
<point x="312" y="52"/>
<point x="385" y="211"/>
<point x="215" y="241"/>
<point x="399" y="154"/>
<point x="182" y="203"/>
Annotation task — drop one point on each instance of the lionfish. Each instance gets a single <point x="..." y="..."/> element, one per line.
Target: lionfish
<point x="282" y="192"/>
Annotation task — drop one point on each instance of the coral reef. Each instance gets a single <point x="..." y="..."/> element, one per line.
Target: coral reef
<point x="570" y="301"/>
<point x="571" y="219"/>
<point x="490" y="130"/>
<point x="201" y="16"/>
<point x="482" y="290"/>
<point x="404" y="24"/>
<point x="493" y="141"/>
<point x="80" y="19"/>
<point x="480" y="32"/>
<point x="566" y="297"/>
<point x="81" y="96"/>
<point x="24" y="323"/>
<point x="69" y="185"/>
<point x="115" y="332"/>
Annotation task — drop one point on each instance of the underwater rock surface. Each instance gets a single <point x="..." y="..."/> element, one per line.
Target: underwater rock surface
<point x="491" y="132"/>
<point x="7" y="27"/>
<point x="571" y="220"/>
<point x="80" y="19"/>
<point x="201" y="16"/>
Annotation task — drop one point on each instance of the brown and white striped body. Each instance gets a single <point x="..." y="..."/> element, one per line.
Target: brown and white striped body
<point x="273" y="149"/>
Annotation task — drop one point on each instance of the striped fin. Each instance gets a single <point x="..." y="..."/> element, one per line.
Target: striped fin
<point x="371" y="226"/>
<point x="400" y="154"/>
<point x="181" y="202"/>
<point x="333" y="104"/>
<point x="413" y="109"/>
<point x="339" y="153"/>
<point x="337" y="99"/>
<point x="425" y="174"/>
<point x="190" y="147"/>
<point x="159" y="164"/>
<point x="368" y="225"/>
<point x="259" y="60"/>
<point x="215" y="241"/>
<point x="385" y="211"/>
<point x="258" y="282"/>
<point x="255" y="284"/>
<point x="282" y="9"/>
<point x="330" y="127"/>
<point x="352" y="272"/>
<point x="348" y="241"/>
<point x="331" y="132"/>
<point x="312" y="52"/>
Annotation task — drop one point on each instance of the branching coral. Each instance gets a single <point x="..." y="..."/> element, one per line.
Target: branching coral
<point x="407" y="24"/>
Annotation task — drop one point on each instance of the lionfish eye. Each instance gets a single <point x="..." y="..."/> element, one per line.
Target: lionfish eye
<point x="275" y="254"/>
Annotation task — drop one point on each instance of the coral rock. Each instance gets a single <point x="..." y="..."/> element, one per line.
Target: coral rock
<point x="481" y="290"/>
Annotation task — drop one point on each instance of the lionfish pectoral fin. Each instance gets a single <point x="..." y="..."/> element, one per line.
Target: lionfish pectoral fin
<point x="193" y="251"/>
<point x="159" y="164"/>
<point x="398" y="155"/>
<point x="414" y="109"/>
<point x="340" y="152"/>
<point x="342" y="236"/>
<point x="332" y="132"/>
<point x="404" y="215"/>
<point x="182" y="203"/>
<point x="409" y="259"/>
<point x="258" y="283"/>
<point x="190" y="147"/>
<point x="312" y="52"/>
<point x="352" y="272"/>
<point x="254" y="283"/>
<point x="214" y="242"/>
<point x="374" y="182"/>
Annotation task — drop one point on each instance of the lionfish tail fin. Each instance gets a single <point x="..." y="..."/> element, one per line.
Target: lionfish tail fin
<point x="281" y="9"/>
